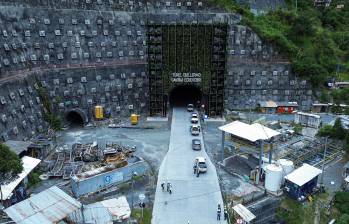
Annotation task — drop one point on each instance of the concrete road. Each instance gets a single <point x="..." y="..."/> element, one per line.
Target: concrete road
<point x="193" y="199"/>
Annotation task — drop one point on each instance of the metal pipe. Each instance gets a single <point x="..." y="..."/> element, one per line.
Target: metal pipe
<point x="323" y="163"/>
<point x="270" y="152"/>
<point x="261" y="157"/>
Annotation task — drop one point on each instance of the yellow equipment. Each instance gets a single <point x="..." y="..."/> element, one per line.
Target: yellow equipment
<point x="99" y="112"/>
<point x="134" y="119"/>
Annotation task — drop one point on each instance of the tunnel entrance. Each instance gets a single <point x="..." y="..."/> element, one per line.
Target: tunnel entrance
<point x="186" y="56"/>
<point x="183" y="95"/>
<point x="74" y="119"/>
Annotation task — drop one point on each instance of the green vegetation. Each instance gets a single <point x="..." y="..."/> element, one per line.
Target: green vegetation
<point x="315" y="39"/>
<point x="298" y="128"/>
<point x="137" y="214"/>
<point x="293" y="212"/>
<point x="336" y="132"/>
<point x="52" y="118"/>
<point x="10" y="164"/>
<point x="33" y="179"/>
<point x="341" y="202"/>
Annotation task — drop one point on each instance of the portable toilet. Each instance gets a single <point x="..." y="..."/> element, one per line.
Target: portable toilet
<point x="99" y="112"/>
<point x="134" y="119"/>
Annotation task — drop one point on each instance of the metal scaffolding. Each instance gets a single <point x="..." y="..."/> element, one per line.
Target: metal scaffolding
<point x="187" y="48"/>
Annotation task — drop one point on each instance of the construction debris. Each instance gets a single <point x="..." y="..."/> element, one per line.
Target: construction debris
<point x="85" y="157"/>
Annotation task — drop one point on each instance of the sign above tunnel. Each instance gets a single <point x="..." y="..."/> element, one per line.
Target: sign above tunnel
<point x="187" y="77"/>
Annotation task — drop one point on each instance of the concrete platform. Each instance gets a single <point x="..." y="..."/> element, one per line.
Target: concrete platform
<point x="194" y="199"/>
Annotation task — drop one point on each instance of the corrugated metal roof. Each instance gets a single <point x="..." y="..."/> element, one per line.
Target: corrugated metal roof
<point x="17" y="146"/>
<point x="244" y="213"/>
<point x="287" y="104"/>
<point x="104" y="212"/>
<point x="47" y="207"/>
<point x="269" y="103"/>
<point x="29" y="163"/>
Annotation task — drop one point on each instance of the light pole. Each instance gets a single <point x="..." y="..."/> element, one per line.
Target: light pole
<point x="134" y="174"/>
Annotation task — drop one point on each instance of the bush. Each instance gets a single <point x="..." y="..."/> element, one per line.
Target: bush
<point x="343" y="219"/>
<point x="336" y="131"/>
<point x="341" y="201"/>
<point x="326" y="130"/>
<point x="33" y="179"/>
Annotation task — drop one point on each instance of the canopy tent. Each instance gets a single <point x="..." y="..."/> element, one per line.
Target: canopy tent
<point x="29" y="164"/>
<point x="252" y="133"/>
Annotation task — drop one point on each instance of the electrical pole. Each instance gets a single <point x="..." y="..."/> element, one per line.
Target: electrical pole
<point x="296" y="5"/>
<point x="323" y="164"/>
<point x="223" y="139"/>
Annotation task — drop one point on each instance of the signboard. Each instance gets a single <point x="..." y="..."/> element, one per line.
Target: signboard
<point x="113" y="178"/>
<point x="188" y="77"/>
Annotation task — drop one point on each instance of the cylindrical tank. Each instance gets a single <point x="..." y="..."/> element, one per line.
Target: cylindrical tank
<point x="134" y="119"/>
<point x="287" y="166"/>
<point x="99" y="112"/>
<point x="273" y="177"/>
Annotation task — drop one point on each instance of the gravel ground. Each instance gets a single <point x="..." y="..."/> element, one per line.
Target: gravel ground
<point x="231" y="185"/>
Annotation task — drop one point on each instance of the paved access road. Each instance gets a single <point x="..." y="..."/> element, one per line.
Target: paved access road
<point x="193" y="199"/>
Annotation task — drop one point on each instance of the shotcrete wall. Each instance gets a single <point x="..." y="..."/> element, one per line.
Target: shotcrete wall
<point x="82" y="57"/>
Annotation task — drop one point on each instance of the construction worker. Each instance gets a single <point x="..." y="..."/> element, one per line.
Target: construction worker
<point x="219" y="212"/>
<point x="225" y="213"/>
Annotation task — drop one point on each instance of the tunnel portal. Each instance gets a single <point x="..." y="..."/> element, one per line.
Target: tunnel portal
<point x="183" y="95"/>
<point x="74" y="119"/>
<point x="182" y="59"/>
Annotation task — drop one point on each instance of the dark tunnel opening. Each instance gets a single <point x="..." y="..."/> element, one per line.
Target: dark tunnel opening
<point x="183" y="95"/>
<point x="74" y="119"/>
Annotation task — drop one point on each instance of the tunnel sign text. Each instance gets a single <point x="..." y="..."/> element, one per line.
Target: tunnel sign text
<point x="186" y="77"/>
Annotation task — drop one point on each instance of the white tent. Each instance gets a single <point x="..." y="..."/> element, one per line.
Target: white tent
<point x="252" y="133"/>
<point x="29" y="164"/>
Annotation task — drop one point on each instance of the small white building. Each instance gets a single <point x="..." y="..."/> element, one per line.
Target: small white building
<point x="307" y="119"/>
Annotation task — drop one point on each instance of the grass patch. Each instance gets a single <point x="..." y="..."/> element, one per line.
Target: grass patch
<point x="147" y="214"/>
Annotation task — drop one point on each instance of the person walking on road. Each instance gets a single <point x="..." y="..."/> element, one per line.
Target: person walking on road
<point x="219" y="212"/>
<point x="225" y="213"/>
<point x="163" y="186"/>
<point x="169" y="188"/>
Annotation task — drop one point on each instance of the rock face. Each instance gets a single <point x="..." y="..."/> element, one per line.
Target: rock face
<point x="82" y="53"/>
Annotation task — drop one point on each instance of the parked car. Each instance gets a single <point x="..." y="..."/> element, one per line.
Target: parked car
<point x="196" y="144"/>
<point x="194" y="118"/>
<point x="190" y="107"/>
<point x="195" y="129"/>
<point x="200" y="165"/>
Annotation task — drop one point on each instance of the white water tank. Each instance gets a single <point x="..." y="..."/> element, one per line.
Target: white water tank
<point x="287" y="166"/>
<point x="273" y="177"/>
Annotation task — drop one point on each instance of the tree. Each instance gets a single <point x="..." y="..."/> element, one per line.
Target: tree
<point x="343" y="219"/>
<point x="338" y="130"/>
<point x="10" y="165"/>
